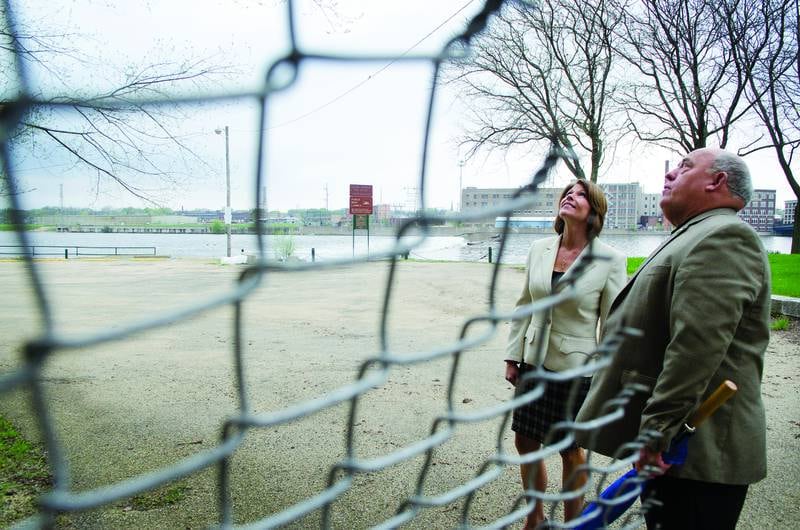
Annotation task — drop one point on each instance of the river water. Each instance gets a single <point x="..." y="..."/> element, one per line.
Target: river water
<point x="445" y="248"/>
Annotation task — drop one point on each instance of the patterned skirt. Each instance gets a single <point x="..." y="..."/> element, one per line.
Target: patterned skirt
<point x="534" y="419"/>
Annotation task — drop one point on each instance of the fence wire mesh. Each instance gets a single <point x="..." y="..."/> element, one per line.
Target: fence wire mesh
<point x="372" y="373"/>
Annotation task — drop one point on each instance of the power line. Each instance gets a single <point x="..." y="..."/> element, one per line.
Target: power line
<point x="375" y="73"/>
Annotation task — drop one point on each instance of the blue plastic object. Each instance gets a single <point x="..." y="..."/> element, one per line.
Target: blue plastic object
<point x="622" y="489"/>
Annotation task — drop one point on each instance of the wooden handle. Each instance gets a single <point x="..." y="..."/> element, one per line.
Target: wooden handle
<point x="714" y="401"/>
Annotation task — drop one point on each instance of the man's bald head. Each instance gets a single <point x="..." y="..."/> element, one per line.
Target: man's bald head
<point x="706" y="179"/>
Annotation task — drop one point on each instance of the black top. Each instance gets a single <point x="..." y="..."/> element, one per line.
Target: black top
<point x="556" y="276"/>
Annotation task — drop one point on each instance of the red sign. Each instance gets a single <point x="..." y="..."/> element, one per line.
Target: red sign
<point x="360" y="199"/>
<point x="361" y="190"/>
<point x="360" y="205"/>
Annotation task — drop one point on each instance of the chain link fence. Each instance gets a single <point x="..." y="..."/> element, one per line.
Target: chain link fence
<point x="372" y="373"/>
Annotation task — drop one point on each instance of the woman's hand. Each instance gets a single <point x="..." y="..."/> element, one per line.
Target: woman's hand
<point x="512" y="372"/>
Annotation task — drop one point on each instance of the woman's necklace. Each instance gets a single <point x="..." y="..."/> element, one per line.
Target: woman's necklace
<point x="565" y="258"/>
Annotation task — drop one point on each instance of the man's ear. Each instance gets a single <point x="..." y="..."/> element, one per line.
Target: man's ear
<point x="717" y="182"/>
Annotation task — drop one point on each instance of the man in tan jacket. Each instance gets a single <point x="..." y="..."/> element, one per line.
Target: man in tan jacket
<point x="702" y="300"/>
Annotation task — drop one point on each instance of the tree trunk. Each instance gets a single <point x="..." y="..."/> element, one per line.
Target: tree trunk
<point x="796" y="229"/>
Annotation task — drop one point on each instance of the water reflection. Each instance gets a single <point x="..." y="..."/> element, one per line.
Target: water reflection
<point x="450" y="248"/>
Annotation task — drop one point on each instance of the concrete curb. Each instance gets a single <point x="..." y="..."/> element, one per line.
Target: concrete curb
<point x="785" y="305"/>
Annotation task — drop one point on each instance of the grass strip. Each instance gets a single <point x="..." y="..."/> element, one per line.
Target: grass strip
<point x="785" y="273"/>
<point x="160" y="498"/>
<point x="24" y="475"/>
<point x="779" y="323"/>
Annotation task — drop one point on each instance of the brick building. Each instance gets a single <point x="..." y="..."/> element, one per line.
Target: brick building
<point x="760" y="212"/>
<point x="625" y="205"/>
<point x="788" y="211"/>
<point x="544" y="201"/>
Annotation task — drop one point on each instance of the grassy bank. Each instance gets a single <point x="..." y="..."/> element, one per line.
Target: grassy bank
<point x="785" y="273"/>
<point x="23" y="475"/>
<point x="6" y="227"/>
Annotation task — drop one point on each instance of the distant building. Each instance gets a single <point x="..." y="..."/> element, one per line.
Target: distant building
<point x="651" y="204"/>
<point x="788" y="211"/>
<point x="628" y="207"/>
<point x="544" y="201"/>
<point x="382" y="211"/>
<point x="207" y="216"/>
<point x="652" y="217"/>
<point x="625" y="205"/>
<point x="760" y="212"/>
<point x="282" y="219"/>
<point x="241" y="216"/>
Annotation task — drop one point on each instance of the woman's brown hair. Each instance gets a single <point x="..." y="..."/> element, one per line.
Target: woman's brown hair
<point x="597" y="203"/>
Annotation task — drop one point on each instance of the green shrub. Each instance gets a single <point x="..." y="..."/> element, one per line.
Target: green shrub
<point x="284" y="247"/>
<point x="282" y="227"/>
<point x="217" y="227"/>
<point x="780" y="323"/>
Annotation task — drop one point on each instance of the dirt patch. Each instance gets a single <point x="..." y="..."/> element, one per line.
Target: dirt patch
<point x="156" y="398"/>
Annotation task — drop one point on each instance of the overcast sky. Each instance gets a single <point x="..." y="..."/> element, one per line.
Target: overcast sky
<point x="338" y="124"/>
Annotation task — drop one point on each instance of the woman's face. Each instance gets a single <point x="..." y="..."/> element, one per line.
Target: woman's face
<point x="574" y="207"/>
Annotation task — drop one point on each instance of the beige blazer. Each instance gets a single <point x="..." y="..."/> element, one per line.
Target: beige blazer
<point x="702" y="300"/>
<point x="570" y="330"/>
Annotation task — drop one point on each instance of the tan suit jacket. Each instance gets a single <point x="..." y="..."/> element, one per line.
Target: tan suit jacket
<point x="702" y="300"/>
<point x="570" y="331"/>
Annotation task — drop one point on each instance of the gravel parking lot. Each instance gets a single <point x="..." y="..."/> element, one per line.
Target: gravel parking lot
<point x="128" y="407"/>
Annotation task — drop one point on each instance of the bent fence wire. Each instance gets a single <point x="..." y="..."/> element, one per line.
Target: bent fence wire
<point x="62" y="498"/>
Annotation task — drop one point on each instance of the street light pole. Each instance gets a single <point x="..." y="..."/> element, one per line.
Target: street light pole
<point x="228" y="211"/>
<point x="460" y="186"/>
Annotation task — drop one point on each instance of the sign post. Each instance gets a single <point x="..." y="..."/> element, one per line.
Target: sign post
<point x="360" y="209"/>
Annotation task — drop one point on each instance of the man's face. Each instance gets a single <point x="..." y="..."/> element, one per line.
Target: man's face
<point x="684" y="194"/>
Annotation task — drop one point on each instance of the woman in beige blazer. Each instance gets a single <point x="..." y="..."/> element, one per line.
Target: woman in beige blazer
<point x="569" y="332"/>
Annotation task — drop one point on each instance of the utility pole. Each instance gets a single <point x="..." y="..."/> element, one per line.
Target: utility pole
<point x="460" y="186"/>
<point x="412" y="203"/>
<point x="228" y="211"/>
<point x="264" y="209"/>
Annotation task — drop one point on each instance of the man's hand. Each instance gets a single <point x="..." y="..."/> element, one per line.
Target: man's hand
<point x="649" y="457"/>
<point x="512" y="372"/>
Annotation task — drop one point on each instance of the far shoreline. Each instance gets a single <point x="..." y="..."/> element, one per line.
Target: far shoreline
<point x="433" y="231"/>
<point x="469" y="232"/>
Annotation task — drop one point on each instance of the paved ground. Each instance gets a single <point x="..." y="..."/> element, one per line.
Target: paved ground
<point x="128" y="407"/>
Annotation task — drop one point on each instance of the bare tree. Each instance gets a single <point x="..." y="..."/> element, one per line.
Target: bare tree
<point x="690" y="87"/>
<point x="107" y="133"/>
<point x="774" y="89"/>
<point x="543" y="72"/>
